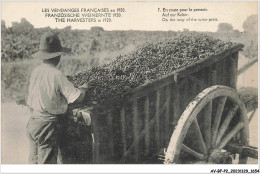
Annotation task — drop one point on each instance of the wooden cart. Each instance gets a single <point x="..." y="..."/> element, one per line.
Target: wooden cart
<point x="195" y="114"/>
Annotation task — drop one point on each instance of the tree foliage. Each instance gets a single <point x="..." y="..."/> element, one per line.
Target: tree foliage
<point x="225" y="28"/>
<point x="250" y="36"/>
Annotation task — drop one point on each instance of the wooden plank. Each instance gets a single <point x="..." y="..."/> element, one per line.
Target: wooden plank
<point x="123" y="128"/>
<point x="247" y="151"/>
<point x="224" y="73"/>
<point x="193" y="90"/>
<point x="110" y="136"/>
<point x="135" y="128"/>
<point x="167" y="116"/>
<point x="143" y="132"/>
<point x="147" y="89"/>
<point x="95" y="147"/>
<point x="186" y="96"/>
<point x="182" y="72"/>
<point x="206" y="77"/>
<point x="157" y="124"/>
<point x="176" y="103"/>
<point x="235" y="61"/>
<point x="146" y="122"/>
<point x="219" y="72"/>
<point x="232" y="71"/>
<point x="213" y="77"/>
<point x="201" y="84"/>
<point x="250" y="152"/>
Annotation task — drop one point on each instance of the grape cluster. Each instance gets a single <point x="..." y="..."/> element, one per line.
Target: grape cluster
<point x="147" y="63"/>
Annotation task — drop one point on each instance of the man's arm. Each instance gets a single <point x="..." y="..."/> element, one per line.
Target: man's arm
<point x="83" y="88"/>
<point x="67" y="89"/>
<point x="72" y="94"/>
<point x="82" y="114"/>
<point x="81" y="97"/>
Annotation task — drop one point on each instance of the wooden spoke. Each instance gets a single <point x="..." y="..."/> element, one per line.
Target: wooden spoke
<point x="220" y="107"/>
<point x="202" y="142"/>
<point x="207" y="124"/>
<point x="226" y="122"/>
<point x="231" y="134"/>
<point x="251" y="115"/>
<point x="199" y="156"/>
<point x="200" y="138"/>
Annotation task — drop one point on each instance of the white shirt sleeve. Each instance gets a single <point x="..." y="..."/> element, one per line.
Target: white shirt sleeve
<point x="67" y="89"/>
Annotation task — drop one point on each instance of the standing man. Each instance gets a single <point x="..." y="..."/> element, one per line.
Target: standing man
<point x="50" y="92"/>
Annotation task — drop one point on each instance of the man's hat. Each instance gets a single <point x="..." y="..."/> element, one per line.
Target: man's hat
<point x="50" y="47"/>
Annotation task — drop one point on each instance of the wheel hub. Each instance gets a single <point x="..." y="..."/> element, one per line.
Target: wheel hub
<point x="220" y="157"/>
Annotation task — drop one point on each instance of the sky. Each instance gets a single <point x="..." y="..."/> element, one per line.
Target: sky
<point x="138" y="15"/>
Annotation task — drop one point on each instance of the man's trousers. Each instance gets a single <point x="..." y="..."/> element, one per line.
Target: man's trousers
<point x="43" y="139"/>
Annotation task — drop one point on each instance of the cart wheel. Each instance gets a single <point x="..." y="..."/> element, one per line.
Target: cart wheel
<point x="214" y="118"/>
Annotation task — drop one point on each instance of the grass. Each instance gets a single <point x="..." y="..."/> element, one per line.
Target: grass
<point x="15" y="79"/>
<point x="16" y="75"/>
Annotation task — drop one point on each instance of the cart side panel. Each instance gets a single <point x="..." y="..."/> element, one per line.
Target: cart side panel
<point x="223" y="72"/>
<point x="160" y="111"/>
<point x="138" y="131"/>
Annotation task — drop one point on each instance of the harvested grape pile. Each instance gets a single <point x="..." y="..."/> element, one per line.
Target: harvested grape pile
<point x="150" y="62"/>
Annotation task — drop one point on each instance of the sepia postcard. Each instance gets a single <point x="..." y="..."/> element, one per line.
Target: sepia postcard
<point x="141" y="86"/>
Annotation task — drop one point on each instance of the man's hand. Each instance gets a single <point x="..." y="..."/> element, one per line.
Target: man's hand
<point x="86" y="117"/>
<point x="89" y="85"/>
<point x="84" y="89"/>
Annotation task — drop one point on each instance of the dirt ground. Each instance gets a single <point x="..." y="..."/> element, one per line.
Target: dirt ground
<point x="14" y="119"/>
